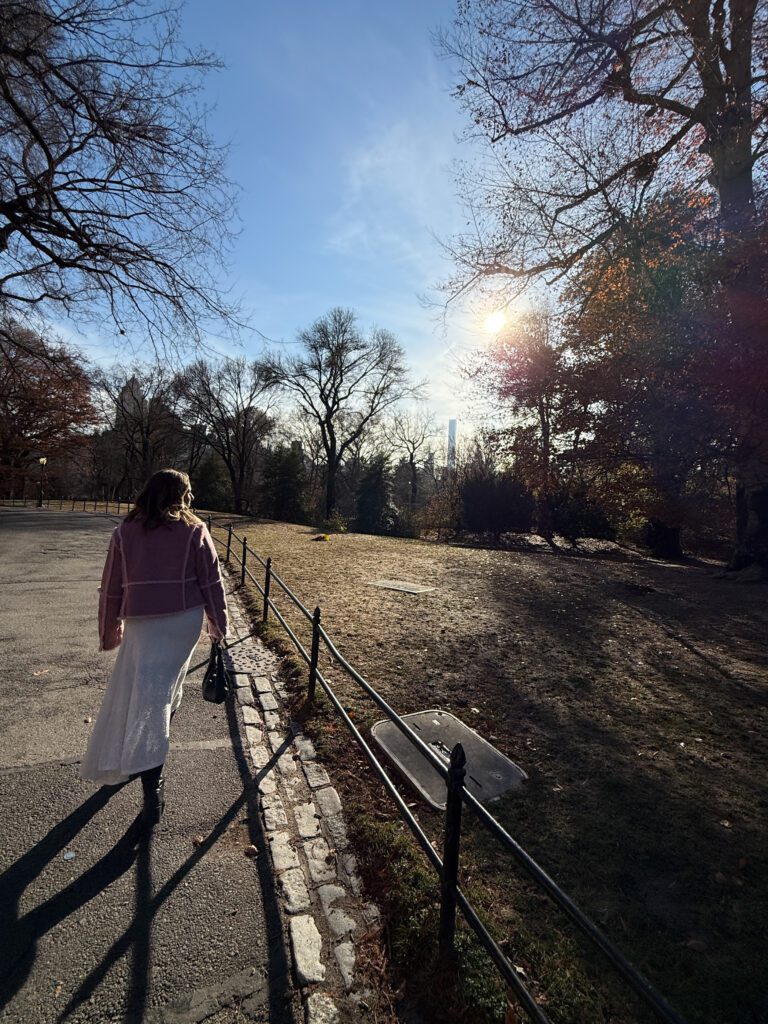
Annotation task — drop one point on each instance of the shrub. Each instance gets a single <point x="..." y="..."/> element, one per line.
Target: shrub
<point x="335" y="523"/>
<point x="495" y="503"/>
<point x="573" y="514"/>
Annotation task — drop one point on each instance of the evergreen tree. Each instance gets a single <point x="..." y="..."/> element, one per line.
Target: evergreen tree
<point x="284" y="484"/>
<point x="375" y="511"/>
<point x="211" y="485"/>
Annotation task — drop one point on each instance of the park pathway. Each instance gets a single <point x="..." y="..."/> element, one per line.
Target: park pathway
<point x="95" y="924"/>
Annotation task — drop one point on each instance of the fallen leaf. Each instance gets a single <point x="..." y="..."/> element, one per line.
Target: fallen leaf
<point x="198" y="840"/>
<point x="251" y="851"/>
<point x="697" y="945"/>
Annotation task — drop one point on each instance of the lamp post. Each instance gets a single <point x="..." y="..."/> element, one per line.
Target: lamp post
<point x="42" y="460"/>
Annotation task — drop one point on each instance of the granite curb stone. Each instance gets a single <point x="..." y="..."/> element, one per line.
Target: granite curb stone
<point x="306" y="834"/>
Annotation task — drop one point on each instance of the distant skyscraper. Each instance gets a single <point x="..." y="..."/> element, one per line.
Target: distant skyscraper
<point x="451" y="463"/>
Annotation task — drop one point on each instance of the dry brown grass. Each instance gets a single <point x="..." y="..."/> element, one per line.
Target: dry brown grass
<point x="634" y="695"/>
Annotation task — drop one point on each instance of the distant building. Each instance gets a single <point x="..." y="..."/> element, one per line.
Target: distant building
<point x="451" y="461"/>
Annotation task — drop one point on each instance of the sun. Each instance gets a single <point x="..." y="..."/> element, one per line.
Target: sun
<point x="494" y="322"/>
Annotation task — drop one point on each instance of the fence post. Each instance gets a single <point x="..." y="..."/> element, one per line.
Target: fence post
<point x="455" y="785"/>
<point x="242" y="563"/>
<point x="73" y="504"/>
<point x="229" y="543"/>
<point x="119" y="503"/>
<point x="314" y="655"/>
<point x="84" y="501"/>
<point x="209" y="523"/>
<point x="267" y="580"/>
<point x="94" y="504"/>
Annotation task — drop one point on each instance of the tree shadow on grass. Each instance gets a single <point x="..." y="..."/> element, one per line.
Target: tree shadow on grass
<point x="657" y="838"/>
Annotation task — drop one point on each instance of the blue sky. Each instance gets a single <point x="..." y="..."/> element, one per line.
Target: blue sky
<point x="342" y="133"/>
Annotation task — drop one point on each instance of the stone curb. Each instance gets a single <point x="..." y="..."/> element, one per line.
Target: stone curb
<point x="304" y="825"/>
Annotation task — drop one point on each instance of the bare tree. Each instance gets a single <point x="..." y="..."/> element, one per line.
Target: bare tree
<point x="607" y="96"/>
<point x="409" y="432"/>
<point x="226" y="403"/>
<point x="614" y="100"/>
<point x="304" y="429"/>
<point x="113" y="198"/>
<point x="343" y="381"/>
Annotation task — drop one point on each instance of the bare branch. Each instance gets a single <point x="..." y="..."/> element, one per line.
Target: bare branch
<point x="114" y="202"/>
<point x="343" y="381"/>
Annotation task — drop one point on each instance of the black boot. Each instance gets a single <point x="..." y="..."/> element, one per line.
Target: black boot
<point x="154" y="796"/>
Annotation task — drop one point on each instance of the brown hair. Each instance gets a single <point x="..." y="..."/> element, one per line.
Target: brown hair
<point x="165" y="499"/>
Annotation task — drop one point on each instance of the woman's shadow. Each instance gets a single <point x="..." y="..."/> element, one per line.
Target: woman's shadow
<point x="19" y="936"/>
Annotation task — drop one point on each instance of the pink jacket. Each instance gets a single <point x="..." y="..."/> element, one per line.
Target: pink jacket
<point x="158" y="572"/>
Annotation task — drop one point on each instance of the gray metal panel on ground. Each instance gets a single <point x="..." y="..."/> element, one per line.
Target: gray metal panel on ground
<point x="489" y="772"/>
<point x="406" y="588"/>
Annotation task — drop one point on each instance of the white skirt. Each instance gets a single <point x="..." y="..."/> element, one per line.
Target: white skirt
<point x="132" y="730"/>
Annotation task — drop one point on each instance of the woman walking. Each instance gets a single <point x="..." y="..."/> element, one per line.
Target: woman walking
<point x="160" y="579"/>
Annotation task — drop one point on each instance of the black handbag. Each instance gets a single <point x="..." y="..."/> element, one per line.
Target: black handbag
<point x="215" y="680"/>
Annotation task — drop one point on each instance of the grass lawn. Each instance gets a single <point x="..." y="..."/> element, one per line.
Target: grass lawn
<point x="632" y="692"/>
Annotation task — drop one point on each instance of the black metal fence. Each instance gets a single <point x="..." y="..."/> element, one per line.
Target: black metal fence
<point x="70" y="504"/>
<point x="452" y="897"/>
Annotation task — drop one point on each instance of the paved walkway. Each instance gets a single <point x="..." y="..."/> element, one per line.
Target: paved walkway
<point x="96" y="925"/>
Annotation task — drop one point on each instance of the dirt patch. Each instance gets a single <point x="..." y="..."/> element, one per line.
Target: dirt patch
<point x="633" y="693"/>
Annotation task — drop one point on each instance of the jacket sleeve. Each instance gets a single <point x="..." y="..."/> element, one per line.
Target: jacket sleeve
<point x="212" y="586"/>
<point x="111" y="597"/>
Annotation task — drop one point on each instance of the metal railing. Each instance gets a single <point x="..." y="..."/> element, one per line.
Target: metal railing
<point x="71" y="504"/>
<point x="452" y="896"/>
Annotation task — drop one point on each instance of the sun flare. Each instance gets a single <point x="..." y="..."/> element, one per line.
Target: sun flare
<point x="494" y="322"/>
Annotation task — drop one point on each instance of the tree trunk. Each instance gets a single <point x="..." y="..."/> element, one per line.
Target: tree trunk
<point x="414" y="484"/>
<point x="546" y="446"/>
<point x="747" y="317"/>
<point x="742" y="514"/>
<point x="237" y="488"/>
<point x="146" y="459"/>
<point x="330" y="488"/>
<point x="752" y="544"/>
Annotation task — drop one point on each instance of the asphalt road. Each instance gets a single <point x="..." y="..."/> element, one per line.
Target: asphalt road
<point x="129" y="929"/>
